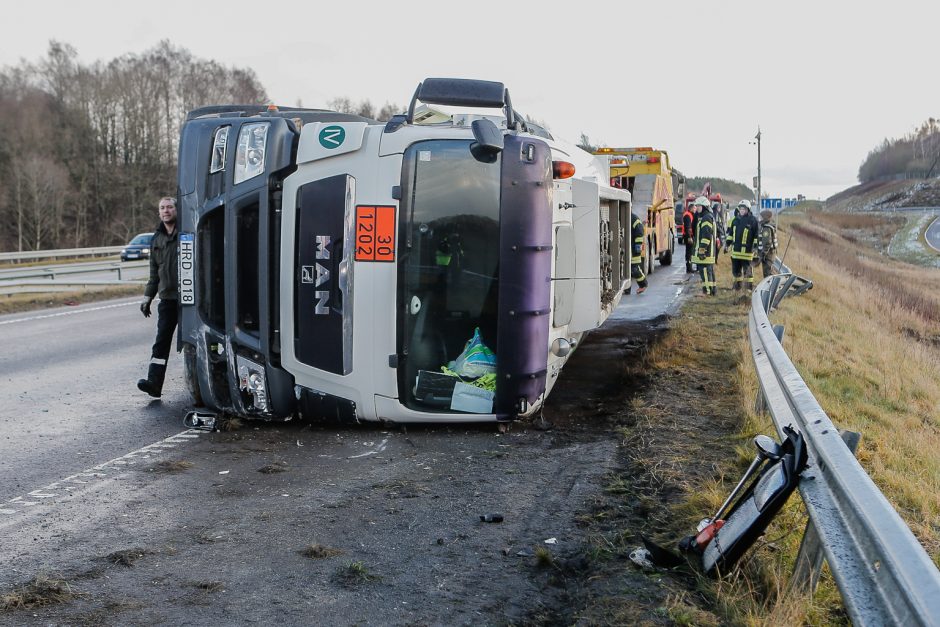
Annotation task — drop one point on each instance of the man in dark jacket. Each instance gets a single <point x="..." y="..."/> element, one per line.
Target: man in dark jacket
<point x="164" y="280"/>
<point x="705" y="245"/>
<point x="742" y="235"/>
<point x="767" y="242"/>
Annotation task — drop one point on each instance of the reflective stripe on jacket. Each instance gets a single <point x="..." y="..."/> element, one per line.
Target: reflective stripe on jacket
<point x="638" y="233"/>
<point x="704" y="239"/>
<point x="742" y="236"/>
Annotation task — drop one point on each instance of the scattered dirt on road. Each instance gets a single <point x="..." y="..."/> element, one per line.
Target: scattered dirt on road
<point x="127" y="557"/>
<point x="641" y="417"/>
<point x="41" y="591"/>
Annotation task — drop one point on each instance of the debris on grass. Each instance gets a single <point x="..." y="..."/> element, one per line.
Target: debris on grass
<point x="318" y="551"/>
<point x="40" y="591"/>
<point x="127" y="557"/>
<point x="354" y="574"/>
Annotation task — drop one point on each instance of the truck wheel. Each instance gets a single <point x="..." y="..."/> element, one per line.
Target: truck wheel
<point x="189" y="374"/>
<point x="666" y="258"/>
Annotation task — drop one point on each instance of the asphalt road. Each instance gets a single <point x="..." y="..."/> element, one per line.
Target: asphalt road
<point x="220" y="541"/>
<point x="933" y="234"/>
<point x="69" y="399"/>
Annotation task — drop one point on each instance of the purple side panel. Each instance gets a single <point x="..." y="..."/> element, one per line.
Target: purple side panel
<point x="525" y="268"/>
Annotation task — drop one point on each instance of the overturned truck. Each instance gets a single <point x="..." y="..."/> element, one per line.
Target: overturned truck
<point x="438" y="267"/>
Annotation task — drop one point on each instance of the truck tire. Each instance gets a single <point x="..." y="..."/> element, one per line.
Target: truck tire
<point x="189" y="374"/>
<point x="666" y="258"/>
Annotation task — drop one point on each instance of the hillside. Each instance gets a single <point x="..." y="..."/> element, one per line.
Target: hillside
<point x="882" y="195"/>
<point x="731" y="191"/>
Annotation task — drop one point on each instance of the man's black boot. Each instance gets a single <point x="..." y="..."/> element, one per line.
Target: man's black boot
<point x="153" y="384"/>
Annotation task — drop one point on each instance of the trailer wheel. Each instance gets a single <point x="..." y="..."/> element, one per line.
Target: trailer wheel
<point x="189" y="374"/>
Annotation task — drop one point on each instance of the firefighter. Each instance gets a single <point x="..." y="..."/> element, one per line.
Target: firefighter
<point x="766" y="242"/>
<point x="638" y="234"/>
<point x="687" y="235"/>
<point x="741" y="237"/>
<point x="705" y="245"/>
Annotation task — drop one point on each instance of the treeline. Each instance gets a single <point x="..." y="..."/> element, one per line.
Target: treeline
<point x="915" y="155"/>
<point x="87" y="150"/>
<point x="694" y="184"/>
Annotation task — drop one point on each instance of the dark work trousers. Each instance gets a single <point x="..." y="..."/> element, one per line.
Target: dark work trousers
<point x="767" y="265"/>
<point x="688" y="255"/>
<point x="167" y="317"/>
<point x="741" y="270"/>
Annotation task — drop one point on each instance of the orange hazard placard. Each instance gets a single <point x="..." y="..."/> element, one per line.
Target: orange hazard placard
<point x="375" y="233"/>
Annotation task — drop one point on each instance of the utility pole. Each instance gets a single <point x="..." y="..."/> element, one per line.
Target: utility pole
<point x="757" y="137"/>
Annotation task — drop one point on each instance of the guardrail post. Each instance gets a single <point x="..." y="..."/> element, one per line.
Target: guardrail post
<point x="810" y="558"/>
<point x="769" y="298"/>
<point x="783" y="291"/>
<point x="119" y="273"/>
<point x="760" y="405"/>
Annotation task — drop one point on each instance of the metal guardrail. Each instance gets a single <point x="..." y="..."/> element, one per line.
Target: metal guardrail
<point x="51" y="272"/>
<point x="30" y="255"/>
<point x="884" y="575"/>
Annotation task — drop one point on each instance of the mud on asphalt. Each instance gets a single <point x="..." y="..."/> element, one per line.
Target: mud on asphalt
<point x="300" y="524"/>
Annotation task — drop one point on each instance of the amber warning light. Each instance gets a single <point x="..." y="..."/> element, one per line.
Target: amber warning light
<point x="562" y="170"/>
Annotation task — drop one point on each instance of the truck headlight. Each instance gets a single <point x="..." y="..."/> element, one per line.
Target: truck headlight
<point x="249" y="156"/>
<point x="218" y="150"/>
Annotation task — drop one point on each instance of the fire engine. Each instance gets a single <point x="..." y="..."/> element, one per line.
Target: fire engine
<point x="440" y="267"/>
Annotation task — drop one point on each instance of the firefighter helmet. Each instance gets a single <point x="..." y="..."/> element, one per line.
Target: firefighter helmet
<point x="746" y="204"/>
<point x="701" y="201"/>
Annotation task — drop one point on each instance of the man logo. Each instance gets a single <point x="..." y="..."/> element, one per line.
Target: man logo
<point x="307" y="274"/>
<point x="332" y="137"/>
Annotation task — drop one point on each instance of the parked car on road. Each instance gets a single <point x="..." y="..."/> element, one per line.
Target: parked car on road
<point x="138" y="248"/>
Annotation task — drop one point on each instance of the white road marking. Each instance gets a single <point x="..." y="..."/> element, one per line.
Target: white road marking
<point x="48" y="491"/>
<point x="66" y="313"/>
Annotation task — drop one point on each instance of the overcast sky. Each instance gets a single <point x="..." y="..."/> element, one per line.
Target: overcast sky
<point x="825" y="80"/>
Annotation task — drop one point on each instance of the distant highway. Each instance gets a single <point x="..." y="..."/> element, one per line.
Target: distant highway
<point x="933" y="234"/>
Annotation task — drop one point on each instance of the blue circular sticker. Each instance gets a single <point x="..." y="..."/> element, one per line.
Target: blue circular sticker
<point x="332" y="137"/>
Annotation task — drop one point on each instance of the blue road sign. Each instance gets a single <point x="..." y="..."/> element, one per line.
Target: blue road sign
<point x="771" y="203"/>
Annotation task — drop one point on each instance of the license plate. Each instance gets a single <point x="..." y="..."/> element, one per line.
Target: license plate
<point x="132" y="255"/>
<point x="187" y="258"/>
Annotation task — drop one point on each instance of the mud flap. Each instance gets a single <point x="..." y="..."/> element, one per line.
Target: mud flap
<point x="756" y="507"/>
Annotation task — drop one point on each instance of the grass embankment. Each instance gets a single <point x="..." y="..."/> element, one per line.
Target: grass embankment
<point x="867" y="341"/>
<point x="16" y="303"/>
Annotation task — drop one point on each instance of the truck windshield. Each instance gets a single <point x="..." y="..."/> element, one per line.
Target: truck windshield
<point x="448" y="265"/>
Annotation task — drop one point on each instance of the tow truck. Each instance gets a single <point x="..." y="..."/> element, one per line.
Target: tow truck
<point x="646" y="173"/>
<point x="340" y="268"/>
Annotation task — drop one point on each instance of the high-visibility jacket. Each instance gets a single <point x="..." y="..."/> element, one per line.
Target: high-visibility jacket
<point x="687" y="219"/>
<point x="741" y="237"/>
<point x="638" y="235"/>
<point x="705" y="237"/>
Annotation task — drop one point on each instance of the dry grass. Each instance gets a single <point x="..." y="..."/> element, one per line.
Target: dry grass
<point x="127" y="557"/>
<point x="17" y="303"/>
<point x="318" y="551"/>
<point x="170" y="466"/>
<point x="40" y="591"/>
<point x="868" y="346"/>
